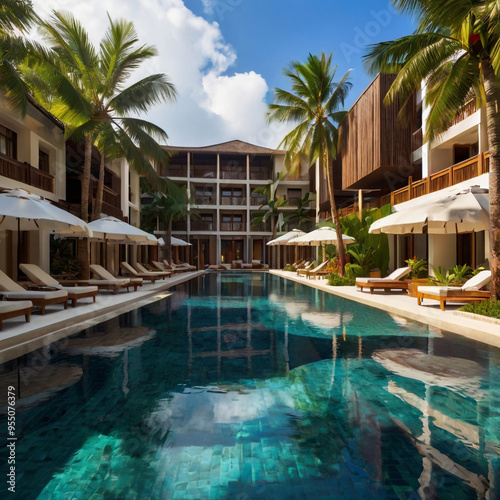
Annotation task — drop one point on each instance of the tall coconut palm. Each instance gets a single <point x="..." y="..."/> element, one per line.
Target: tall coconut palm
<point x="93" y="98"/>
<point x="313" y="105"/>
<point x="167" y="208"/>
<point x="456" y="50"/>
<point x="16" y="18"/>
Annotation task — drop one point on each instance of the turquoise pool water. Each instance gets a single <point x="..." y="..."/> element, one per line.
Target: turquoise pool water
<point x="246" y="386"/>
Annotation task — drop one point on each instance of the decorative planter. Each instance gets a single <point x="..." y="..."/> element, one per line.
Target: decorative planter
<point x="414" y="284"/>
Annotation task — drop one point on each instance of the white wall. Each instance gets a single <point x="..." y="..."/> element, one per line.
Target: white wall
<point x="442" y="251"/>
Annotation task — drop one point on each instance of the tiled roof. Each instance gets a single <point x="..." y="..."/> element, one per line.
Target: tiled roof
<point x="239" y="147"/>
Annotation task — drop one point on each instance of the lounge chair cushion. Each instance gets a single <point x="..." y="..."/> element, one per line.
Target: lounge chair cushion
<point x="7" y="306"/>
<point x="440" y="291"/>
<point x="34" y="294"/>
<point x="478" y="281"/>
<point x="116" y="281"/>
<point x="394" y="276"/>
<point x="103" y="273"/>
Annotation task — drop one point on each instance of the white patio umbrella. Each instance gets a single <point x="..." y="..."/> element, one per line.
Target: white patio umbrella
<point x="116" y="230"/>
<point x="321" y="237"/>
<point x="460" y="212"/>
<point x="21" y="210"/>
<point x="288" y="239"/>
<point x="24" y="211"/>
<point x="177" y="242"/>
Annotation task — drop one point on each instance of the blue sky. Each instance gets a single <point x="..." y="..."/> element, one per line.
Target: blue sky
<point x="226" y="56"/>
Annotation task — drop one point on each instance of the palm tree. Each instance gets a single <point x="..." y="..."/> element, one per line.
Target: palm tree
<point x="16" y="17"/>
<point x="456" y="50"/>
<point x="93" y="99"/>
<point x="313" y="106"/>
<point x="167" y="208"/>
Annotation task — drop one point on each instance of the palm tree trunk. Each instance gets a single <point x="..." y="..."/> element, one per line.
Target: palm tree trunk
<point x="100" y="190"/>
<point x="335" y="215"/>
<point x="492" y="91"/>
<point x="168" y="244"/>
<point x="84" y="208"/>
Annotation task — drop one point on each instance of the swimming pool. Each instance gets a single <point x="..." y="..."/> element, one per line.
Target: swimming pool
<point x="249" y="386"/>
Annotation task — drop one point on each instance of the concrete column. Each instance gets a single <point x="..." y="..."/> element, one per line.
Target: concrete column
<point x="442" y="251"/>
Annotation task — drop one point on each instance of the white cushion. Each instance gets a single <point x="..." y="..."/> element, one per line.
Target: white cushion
<point x="35" y="294"/>
<point x="478" y="281"/>
<point x="18" y="305"/>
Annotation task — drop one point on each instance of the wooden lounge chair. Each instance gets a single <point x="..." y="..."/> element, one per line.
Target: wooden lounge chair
<point x="183" y="265"/>
<point x="41" y="298"/>
<point x="307" y="267"/>
<point x="174" y="268"/>
<point x="41" y="278"/>
<point x="127" y="268"/>
<point x="312" y="272"/>
<point x="106" y="281"/>
<point x="318" y="271"/>
<point x="391" y="282"/>
<point x="10" y="309"/>
<point x="469" y="292"/>
<point x="159" y="274"/>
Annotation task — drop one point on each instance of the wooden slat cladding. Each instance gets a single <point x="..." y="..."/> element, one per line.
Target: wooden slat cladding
<point x="371" y="136"/>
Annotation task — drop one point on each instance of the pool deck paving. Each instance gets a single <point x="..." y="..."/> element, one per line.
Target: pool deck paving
<point x="19" y="337"/>
<point x="485" y="330"/>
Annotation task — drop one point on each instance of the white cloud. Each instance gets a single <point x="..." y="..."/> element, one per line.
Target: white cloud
<point x="213" y="105"/>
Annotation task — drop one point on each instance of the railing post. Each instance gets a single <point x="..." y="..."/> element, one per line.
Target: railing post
<point x="480" y="164"/>
<point x="410" y="181"/>
<point x="450" y="176"/>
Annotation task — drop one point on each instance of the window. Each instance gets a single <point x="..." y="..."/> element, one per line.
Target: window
<point x="207" y="217"/>
<point x="8" y="142"/>
<point x="43" y="161"/>
<point x="294" y="194"/>
<point x="203" y="191"/>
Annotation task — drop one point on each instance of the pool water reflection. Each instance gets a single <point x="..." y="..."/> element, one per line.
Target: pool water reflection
<point x="249" y="386"/>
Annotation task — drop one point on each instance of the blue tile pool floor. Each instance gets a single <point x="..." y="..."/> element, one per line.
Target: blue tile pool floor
<point x="246" y="386"/>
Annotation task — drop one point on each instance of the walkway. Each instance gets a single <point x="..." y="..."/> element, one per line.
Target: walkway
<point x="452" y="320"/>
<point x="19" y="337"/>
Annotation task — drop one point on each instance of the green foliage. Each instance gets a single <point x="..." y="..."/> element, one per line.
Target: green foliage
<point x="335" y="279"/>
<point x="418" y="268"/>
<point x="359" y="229"/>
<point x="490" y="308"/>
<point x="353" y="270"/>
<point x="362" y="256"/>
<point x="62" y="260"/>
<point x="289" y="267"/>
<point x="454" y="277"/>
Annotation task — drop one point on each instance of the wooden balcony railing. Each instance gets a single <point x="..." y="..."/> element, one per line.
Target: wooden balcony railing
<point x="257" y="201"/>
<point x="24" y="172"/>
<point x="233" y="200"/>
<point x="260" y="174"/>
<point x="468" y="109"/>
<point x="233" y="174"/>
<point x="205" y="200"/>
<point x="264" y="227"/>
<point x="174" y="172"/>
<point x="450" y="176"/>
<point x="202" y="225"/>
<point x="233" y="226"/>
<point x="204" y="172"/>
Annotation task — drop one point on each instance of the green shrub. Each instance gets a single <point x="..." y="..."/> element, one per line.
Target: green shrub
<point x="335" y="279"/>
<point x="289" y="267"/>
<point x="485" y="308"/>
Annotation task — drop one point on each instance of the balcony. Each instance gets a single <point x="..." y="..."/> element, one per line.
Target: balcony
<point x="233" y="173"/>
<point x="263" y="227"/>
<point x="179" y="225"/>
<point x="260" y="174"/>
<point x="467" y="110"/>
<point x="24" y="172"/>
<point x="463" y="171"/>
<point x="174" y="171"/>
<point x="257" y="201"/>
<point x="202" y="225"/>
<point x="204" y="171"/>
<point x="416" y="140"/>
<point x="233" y="200"/>
<point x="205" y="200"/>
<point x="233" y="226"/>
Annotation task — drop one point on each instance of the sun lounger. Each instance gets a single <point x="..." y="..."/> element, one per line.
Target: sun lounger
<point x="469" y="292"/>
<point x="106" y="281"/>
<point x="308" y="273"/>
<point x="391" y="282"/>
<point x="41" y="278"/>
<point x="159" y="274"/>
<point x="41" y="298"/>
<point x="127" y="268"/>
<point x="303" y="265"/>
<point x="304" y="270"/>
<point x="183" y="265"/>
<point x="10" y="309"/>
<point x="174" y="268"/>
